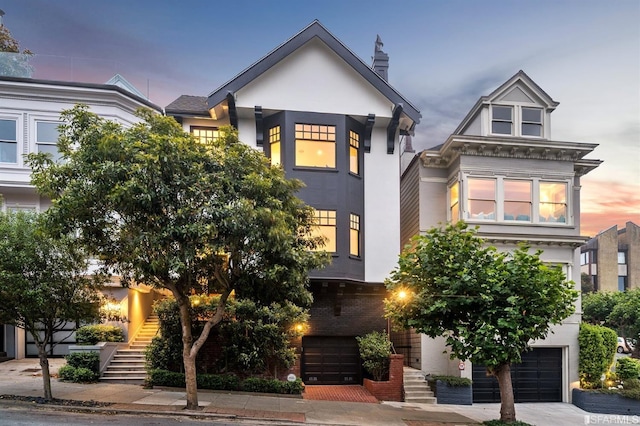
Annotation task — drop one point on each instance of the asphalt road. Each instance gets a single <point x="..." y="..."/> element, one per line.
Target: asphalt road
<point x="21" y="415"/>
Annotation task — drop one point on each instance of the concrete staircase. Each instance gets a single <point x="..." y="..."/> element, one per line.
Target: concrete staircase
<point x="416" y="388"/>
<point x="128" y="365"/>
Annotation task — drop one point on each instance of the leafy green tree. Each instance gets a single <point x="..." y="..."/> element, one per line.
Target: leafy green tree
<point x="597" y="351"/>
<point x="160" y="208"/>
<point x="488" y="305"/>
<point x="43" y="283"/>
<point x="13" y="63"/>
<point x="586" y="285"/>
<point x="375" y="350"/>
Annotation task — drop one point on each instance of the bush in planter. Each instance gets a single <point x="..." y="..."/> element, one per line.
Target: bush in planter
<point x="627" y="368"/>
<point x="452" y="381"/>
<point x="375" y="350"/>
<point x="451" y="389"/>
<point x="92" y="334"/>
<point x="82" y="367"/>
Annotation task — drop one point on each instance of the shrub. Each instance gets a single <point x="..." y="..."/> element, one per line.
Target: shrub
<point x="225" y="382"/>
<point x="631" y="384"/>
<point x="82" y="367"/>
<point x="452" y="380"/>
<point x="597" y="350"/>
<point x="375" y="349"/>
<point x="627" y="368"/>
<point x="92" y="334"/>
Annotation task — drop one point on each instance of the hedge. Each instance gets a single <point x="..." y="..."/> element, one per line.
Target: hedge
<point x="92" y="334"/>
<point x="597" y="349"/>
<point x="81" y="367"/>
<point x="225" y="382"/>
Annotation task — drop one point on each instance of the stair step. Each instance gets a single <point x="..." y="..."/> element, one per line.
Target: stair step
<point x="123" y="374"/>
<point x="421" y="400"/>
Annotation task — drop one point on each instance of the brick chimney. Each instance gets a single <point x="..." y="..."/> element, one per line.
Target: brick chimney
<point x="380" y="60"/>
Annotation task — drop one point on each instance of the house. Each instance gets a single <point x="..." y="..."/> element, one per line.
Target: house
<point x="611" y="259"/>
<point x="334" y="122"/>
<point x="29" y="116"/>
<point x="502" y="171"/>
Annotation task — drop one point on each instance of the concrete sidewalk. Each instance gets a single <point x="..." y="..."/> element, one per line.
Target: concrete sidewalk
<point x="23" y="377"/>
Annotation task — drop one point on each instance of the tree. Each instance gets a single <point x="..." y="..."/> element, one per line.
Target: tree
<point x="487" y="304"/>
<point x="617" y="310"/>
<point x="586" y="284"/>
<point x="160" y="208"/>
<point x="13" y="62"/>
<point x="43" y="283"/>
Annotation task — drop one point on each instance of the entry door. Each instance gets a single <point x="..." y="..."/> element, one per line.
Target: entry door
<point x="330" y="361"/>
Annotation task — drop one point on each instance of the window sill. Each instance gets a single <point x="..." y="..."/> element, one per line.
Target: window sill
<point x="357" y="176"/>
<point x="315" y="169"/>
<point x="355" y="257"/>
<point x="519" y="223"/>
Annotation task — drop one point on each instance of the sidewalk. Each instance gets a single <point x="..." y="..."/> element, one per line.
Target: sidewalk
<point x="23" y="378"/>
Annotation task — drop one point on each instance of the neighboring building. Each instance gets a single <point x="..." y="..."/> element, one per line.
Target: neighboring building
<point x="29" y="116"/>
<point x="331" y="120"/>
<point x="502" y="171"/>
<point x="611" y="259"/>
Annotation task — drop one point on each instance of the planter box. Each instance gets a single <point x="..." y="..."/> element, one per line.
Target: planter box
<point x="107" y="351"/>
<point x="604" y="403"/>
<point x="459" y="395"/>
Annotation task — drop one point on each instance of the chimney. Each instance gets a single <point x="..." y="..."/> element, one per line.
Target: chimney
<point x="380" y="60"/>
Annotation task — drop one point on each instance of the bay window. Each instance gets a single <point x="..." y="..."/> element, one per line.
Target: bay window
<point x="354" y="235"/>
<point x="454" y="202"/>
<point x="553" y="202"/>
<point x="482" y="198"/>
<point x="275" y="146"/>
<point x="354" y="144"/>
<point x="517" y="200"/>
<point x="325" y="227"/>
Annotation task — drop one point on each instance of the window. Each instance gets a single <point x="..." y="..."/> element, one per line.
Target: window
<point x="47" y="138"/>
<point x="354" y="144"/>
<point x="584" y="258"/>
<point x="316" y="146"/>
<point x="622" y="258"/>
<point x="205" y="134"/>
<point x="274" y="145"/>
<point x="531" y="122"/>
<point x="354" y="235"/>
<point x="326" y="227"/>
<point x="8" y="141"/>
<point x="553" y="202"/>
<point x="622" y="282"/>
<point x="482" y="198"/>
<point x="502" y="120"/>
<point x="517" y="200"/>
<point x="454" y="202"/>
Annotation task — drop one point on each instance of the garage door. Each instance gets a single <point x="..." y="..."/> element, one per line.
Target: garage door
<point x="537" y="379"/>
<point x="330" y="361"/>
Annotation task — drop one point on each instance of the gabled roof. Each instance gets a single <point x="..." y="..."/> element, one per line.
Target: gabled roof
<point x="519" y="78"/>
<point x="188" y="105"/>
<point x="315" y="29"/>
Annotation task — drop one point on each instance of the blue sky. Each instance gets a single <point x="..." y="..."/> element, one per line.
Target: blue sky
<point x="444" y="55"/>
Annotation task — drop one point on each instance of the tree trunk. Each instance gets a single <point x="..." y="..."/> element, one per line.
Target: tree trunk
<point x="189" y="361"/>
<point x="46" y="376"/>
<point x="507" y="406"/>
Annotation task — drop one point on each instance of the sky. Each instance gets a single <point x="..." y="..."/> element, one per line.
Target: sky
<point x="443" y="56"/>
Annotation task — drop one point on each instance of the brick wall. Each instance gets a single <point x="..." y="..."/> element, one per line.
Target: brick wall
<point x="390" y="390"/>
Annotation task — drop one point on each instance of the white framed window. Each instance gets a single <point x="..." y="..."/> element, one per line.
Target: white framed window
<point x="502" y="120"/>
<point x="517" y="120"/>
<point x="47" y="138"/>
<point x="315" y="146"/>
<point x="511" y="200"/>
<point x="8" y="140"/>
<point x="205" y="134"/>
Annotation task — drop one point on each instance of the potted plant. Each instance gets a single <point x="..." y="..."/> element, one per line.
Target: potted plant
<point x="452" y="389"/>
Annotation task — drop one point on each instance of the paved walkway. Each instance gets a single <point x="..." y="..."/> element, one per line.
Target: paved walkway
<point x="23" y="377"/>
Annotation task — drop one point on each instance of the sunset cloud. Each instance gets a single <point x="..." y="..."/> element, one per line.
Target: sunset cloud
<point x="608" y="203"/>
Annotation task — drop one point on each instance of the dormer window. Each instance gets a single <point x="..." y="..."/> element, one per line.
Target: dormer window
<point x="516" y="121"/>
<point x="502" y="120"/>
<point x="531" y="122"/>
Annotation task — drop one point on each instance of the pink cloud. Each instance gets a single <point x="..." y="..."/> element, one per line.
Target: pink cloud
<point x="607" y="203"/>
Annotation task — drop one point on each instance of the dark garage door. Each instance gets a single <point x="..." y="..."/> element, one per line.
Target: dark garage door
<point x="537" y="379"/>
<point x="330" y="360"/>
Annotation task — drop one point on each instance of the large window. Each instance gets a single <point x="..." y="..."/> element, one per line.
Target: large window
<point x="502" y="120"/>
<point x="205" y="134"/>
<point x="354" y="144"/>
<point x="47" y="138"/>
<point x="354" y="235"/>
<point x="326" y="227"/>
<point x="482" y="198"/>
<point x="510" y="200"/>
<point x="517" y="200"/>
<point x="274" y="146"/>
<point x="8" y="141"/>
<point x="315" y="146"/>
<point x="553" y="202"/>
